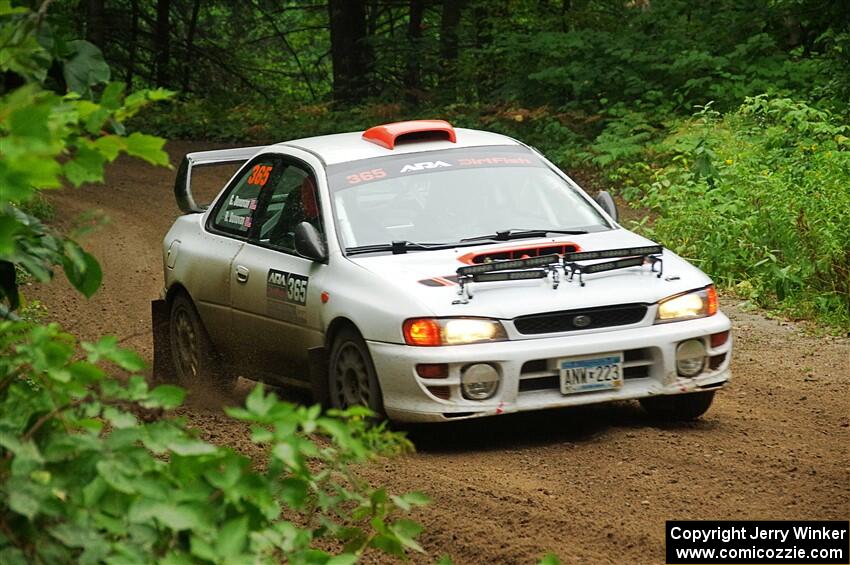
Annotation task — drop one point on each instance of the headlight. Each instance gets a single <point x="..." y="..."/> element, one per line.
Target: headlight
<point x="696" y="304"/>
<point x="451" y="331"/>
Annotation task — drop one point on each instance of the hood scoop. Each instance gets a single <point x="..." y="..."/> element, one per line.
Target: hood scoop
<point x="520" y="252"/>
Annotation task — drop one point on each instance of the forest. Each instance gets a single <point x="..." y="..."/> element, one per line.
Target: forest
<point x="720" y="126"/>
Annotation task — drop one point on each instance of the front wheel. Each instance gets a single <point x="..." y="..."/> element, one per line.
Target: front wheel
<point x="352" y="380"/>
<point x="196" y="363"/>
<point x="678" y="407"/>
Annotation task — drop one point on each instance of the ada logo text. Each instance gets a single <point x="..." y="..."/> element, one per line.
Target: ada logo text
<point x="424" y="165"/>
<point x="287" y="287"/>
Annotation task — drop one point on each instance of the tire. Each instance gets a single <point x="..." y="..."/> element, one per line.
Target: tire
<point x="678" y="407"/>
<point x="352" y="380"/>
<point x="196" y="362"/>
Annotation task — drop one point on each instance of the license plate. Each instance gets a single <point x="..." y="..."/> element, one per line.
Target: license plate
<point x="591" y="373"/>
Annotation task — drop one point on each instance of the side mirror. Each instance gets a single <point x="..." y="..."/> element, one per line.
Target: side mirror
<point x="607" y="203"/>
<point x="308" y="242"/>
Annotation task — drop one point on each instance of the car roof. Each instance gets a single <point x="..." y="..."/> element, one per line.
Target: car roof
<point x="346" y="147"/>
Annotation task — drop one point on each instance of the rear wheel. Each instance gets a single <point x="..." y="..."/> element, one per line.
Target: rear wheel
<point x="678" y="406"/>
<point x="352" y="380"/>
<point x="195" y="360"/>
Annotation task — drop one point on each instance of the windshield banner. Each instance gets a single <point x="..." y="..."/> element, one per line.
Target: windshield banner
<point x="355" y="173"/>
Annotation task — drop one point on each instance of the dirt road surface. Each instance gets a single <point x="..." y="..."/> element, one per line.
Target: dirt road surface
<point x="593" y="485"/>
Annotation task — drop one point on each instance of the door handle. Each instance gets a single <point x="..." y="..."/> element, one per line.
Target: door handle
<point x="242" y="273"/>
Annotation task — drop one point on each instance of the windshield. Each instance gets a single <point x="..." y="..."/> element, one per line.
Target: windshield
<point x="448" y="196"/>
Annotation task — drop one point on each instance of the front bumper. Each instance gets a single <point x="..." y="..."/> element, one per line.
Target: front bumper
<point x="529" y="374"/>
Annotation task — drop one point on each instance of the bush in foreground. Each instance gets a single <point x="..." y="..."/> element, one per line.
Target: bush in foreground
<point x="83" y="478"/>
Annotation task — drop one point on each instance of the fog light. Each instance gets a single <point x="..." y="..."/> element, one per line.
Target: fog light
<point x="479" y="381"/>
<point x="690" y="357"/>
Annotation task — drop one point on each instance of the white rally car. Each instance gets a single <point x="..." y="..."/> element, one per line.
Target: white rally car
<point x="431" y="274"/>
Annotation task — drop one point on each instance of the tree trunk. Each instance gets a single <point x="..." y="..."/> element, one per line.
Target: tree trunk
<point x="162" y="42"/>
<point x="350" y="53"/>
<point x="484" y="75"/>
<point x="566" y="7"/>
<point x="412" y="77"/>
<point x="190" y="42"/>
<point x="95" y="22"/>
<point x="131" y="48"/>
<point x="282" y="35"/>
<point x="448" y="49"/>
<point x="373" y="12"/>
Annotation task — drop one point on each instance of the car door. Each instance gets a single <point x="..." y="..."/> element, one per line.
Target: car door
<point x="227" y="228"/>
<point x="273" y="290"/>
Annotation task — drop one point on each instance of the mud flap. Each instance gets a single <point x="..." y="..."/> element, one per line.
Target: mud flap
<point x="318" y="359"/>
<point x="163" y="366"/>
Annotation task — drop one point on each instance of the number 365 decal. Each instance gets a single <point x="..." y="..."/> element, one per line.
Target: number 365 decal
<point x="287" y="287"/>
<point x="260" y="174"/>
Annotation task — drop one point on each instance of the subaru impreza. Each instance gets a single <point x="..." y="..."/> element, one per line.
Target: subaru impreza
<point x="430" y="273"/>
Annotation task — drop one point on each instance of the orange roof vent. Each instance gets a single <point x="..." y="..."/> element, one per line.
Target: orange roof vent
<point x="388" y="135"/>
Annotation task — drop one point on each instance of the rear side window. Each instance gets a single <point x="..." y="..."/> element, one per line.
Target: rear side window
<point x="235" y="213"/>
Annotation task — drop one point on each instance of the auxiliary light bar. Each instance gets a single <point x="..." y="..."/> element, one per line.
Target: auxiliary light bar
<point x="573" y="268"/>
<point x="611" y="265"/>
<point x="541" y="267"/>
<point x="509" y="276"/>
<point x="612" y="253"/>
<point x="513" y="265"/>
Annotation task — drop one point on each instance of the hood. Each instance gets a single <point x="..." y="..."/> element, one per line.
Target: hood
<point x="422" y="274"/>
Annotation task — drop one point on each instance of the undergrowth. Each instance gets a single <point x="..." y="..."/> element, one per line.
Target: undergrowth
<point x="757" y="198"/>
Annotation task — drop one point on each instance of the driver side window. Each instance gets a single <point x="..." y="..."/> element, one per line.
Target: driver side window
<point x="236" y="213"/>
<point x="292" y="199"/>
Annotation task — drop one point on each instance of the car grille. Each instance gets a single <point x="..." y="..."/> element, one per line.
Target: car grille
<point x="565" y="321"/>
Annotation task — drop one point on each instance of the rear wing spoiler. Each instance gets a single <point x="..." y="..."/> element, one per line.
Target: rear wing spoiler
<point x="183" y="182"/>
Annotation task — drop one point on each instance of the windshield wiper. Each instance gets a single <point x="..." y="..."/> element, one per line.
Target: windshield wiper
<point x="506" y="235"/>
<point x="400" y="247"/>
<point x="397" y="247"/>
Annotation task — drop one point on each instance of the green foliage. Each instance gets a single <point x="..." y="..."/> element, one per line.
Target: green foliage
<point x="258" y="72"/>
<point x="90" y="472"/>
<point x="47" y="139"/>
<point x="758" y="198"/>
<point x="670" y="55"/>
<point x="625" y="137"/>
<point x="84" y="68"/>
